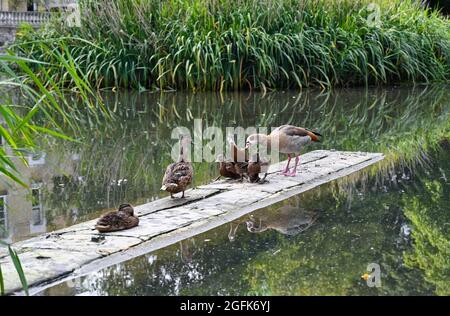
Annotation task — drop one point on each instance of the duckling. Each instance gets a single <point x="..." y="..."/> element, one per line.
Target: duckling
<point x="240" y="159"/>
<point x="121" y="219"/>
<point x="226" y="168"/>
<point x="241" y="168"/>
<point x="256" y="166"/>
<point x="179" y="174"/>
<point x="291" y="139"/>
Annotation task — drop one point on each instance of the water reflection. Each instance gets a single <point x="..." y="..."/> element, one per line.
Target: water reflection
<point x="121" y="160"/>
<point x="290" y="219"/>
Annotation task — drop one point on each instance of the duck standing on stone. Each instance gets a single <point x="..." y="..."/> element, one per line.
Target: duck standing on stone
<point x="121" y="219"/>
<point x="179" y="174"/>
<point x="291" y="139"/>
<point x="240" y="159"/>
<point x="257" y="165"/>
<point x="226" y="168"/>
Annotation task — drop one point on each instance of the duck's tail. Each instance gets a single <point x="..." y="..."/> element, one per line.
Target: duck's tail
<point x="314" y="135"/>
<point x="103" y="228"/>
<point x="169" y="186"/>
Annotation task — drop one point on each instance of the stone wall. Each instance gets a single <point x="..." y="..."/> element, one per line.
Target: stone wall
<point x="7" y="35"/>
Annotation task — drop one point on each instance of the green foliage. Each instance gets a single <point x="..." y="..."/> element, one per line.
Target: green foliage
<point x="247" y="44"/>
<point x="41" y="96"/>
<point x="431" y="252"/>
<point x="2" y="284"/>
<point x="18" y="265"/>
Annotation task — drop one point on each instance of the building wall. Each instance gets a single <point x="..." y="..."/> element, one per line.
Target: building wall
<point x="13" y="5"/>
<point x="7" y="35"/>
<point x="41" y="5"/>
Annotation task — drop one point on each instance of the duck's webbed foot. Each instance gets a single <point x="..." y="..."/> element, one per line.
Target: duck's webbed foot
<point x="263" y="179"/>
<point x="171" y="195"/>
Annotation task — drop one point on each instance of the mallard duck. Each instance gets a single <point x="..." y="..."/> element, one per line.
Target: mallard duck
<point x="291" y="139"/>
<point x="240" y="159"/>
<point x="121" y="219"/>
<point x="257" y="165"/>
<point x="241" y="168"/>
<point x="179" y="174"/>
<point x="226" y="168"/>
<point x="236" y="167"/>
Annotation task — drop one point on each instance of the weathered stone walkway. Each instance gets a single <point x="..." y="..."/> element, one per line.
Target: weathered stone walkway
<point x="77" y="250"/>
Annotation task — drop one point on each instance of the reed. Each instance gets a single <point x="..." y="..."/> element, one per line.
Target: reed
<point x="247" y="44"/>
<point x="43" y="108"/>
<point x="19" y="269"/>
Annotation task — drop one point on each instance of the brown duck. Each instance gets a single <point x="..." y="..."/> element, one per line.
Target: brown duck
<point x="121" y="219"/>
<point x="179" y="174"/>
<point x="226" y="168"/>
<point x="236" y="167"/>
<point x="257" y="165"/>
<point x="240" y="159"/>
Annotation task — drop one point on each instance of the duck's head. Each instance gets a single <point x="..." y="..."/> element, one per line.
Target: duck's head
<point x="256" y="139"/>
<point x="127" y="209"/>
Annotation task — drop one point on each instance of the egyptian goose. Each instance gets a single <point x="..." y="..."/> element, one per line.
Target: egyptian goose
<point x="179" y="174"/>
<point x="291" y="139"/>
<point x="121" y="219"/>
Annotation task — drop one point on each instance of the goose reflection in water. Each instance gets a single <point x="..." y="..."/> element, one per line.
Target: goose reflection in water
<point x="290" y="219"/>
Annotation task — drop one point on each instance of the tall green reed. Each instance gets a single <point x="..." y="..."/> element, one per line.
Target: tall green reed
<point x="44" y="99"/>
<point x="19" y="269"/>
<point x="249" y="44"/>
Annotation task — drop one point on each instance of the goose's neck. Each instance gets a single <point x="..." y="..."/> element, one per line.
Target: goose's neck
<point x="265" y="140"/>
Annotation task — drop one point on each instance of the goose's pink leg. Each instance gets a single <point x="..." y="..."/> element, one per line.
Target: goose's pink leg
<point x="294" y="172"/>
<point x="286" y="170"/>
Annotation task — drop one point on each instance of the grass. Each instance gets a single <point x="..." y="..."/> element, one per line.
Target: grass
<point x="42" y="99"/>
<point x="18" y="266"/>
<point x="249" y="44"/>
<point x="43" y="109"/>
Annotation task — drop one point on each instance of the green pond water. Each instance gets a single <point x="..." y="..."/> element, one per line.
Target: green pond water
<point x="395" y="214"/>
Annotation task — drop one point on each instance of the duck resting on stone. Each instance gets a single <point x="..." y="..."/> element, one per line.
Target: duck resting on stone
<point x="179" y="174"/>
<point x="291" y="140"/>
<point x="121" y="219"/>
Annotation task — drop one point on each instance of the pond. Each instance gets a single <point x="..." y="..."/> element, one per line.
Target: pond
<point x="396" y="215"/>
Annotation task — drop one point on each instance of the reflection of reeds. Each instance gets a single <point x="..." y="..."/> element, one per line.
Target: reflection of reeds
<point x="256" y="44"/>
